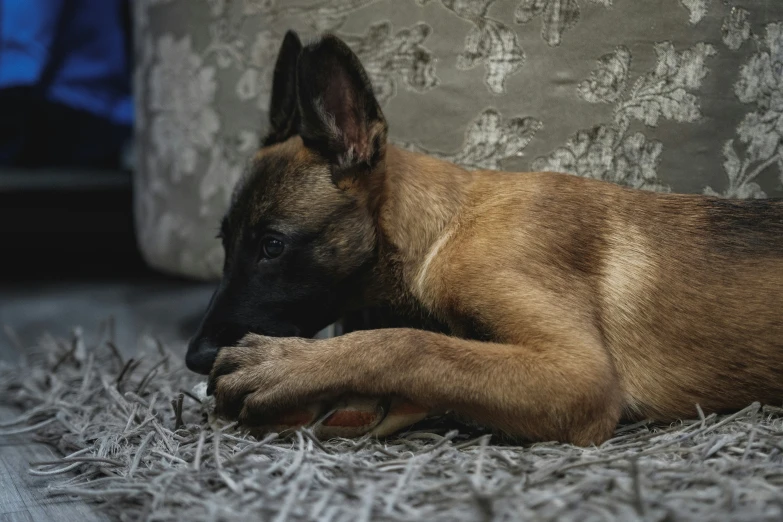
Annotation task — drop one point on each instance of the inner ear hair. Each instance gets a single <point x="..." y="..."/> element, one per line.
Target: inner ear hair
<point x="340" y="116"/>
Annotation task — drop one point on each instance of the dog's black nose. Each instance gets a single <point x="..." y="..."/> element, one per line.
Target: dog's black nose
<point x="201" y="355"/>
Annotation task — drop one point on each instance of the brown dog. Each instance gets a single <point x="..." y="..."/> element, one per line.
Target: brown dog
<point x="571" y="303"/>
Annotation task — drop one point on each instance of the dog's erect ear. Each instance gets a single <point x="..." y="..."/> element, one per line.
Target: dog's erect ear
<point x="340" y="117"/>
<point x="283" y="107"/>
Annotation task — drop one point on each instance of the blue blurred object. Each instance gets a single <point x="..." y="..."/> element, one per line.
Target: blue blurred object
<point x="65" y="82"/>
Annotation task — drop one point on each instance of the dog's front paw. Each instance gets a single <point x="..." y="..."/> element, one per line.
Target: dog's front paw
<point x="278" y="384"/>
<point x="266" y="380"/>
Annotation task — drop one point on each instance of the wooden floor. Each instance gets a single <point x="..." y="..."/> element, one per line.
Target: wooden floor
<point x="23" y="497"/>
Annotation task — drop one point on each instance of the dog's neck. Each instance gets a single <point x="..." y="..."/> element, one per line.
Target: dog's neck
<point x="419" y="197"/>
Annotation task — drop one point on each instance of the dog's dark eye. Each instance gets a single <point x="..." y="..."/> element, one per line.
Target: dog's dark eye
<point x="271" y="248"/>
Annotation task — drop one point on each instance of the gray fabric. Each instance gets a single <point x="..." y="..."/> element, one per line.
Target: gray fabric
<point x="680" y="95"/>
<point x="126" y="447"/>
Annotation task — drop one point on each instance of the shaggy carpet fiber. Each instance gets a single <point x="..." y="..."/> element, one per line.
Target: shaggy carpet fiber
<point x="138" y="440"/>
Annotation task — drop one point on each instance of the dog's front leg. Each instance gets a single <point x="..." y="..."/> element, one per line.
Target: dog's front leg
<point x="564" y="391"/>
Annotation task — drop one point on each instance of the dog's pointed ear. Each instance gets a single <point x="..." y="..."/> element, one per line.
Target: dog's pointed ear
<point x="340" y="117"/>
<point x="283" y="106"/>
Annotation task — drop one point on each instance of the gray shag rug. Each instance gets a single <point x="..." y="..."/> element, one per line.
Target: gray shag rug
<point x="139" y="443"/>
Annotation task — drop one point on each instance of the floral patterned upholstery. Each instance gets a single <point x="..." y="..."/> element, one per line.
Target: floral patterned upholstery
<point x="674" y="95"/>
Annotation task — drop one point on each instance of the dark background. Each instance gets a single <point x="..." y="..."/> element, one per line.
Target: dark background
<point x="68" y="249"/>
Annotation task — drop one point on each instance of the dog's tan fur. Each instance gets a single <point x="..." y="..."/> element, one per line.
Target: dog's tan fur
<point x="572" y="303"/>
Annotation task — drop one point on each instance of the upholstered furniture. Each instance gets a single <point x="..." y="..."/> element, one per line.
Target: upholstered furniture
<point x="671" y="95"/>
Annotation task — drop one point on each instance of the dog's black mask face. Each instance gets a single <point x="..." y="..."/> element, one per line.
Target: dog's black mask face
<point x="299" y="236"/>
